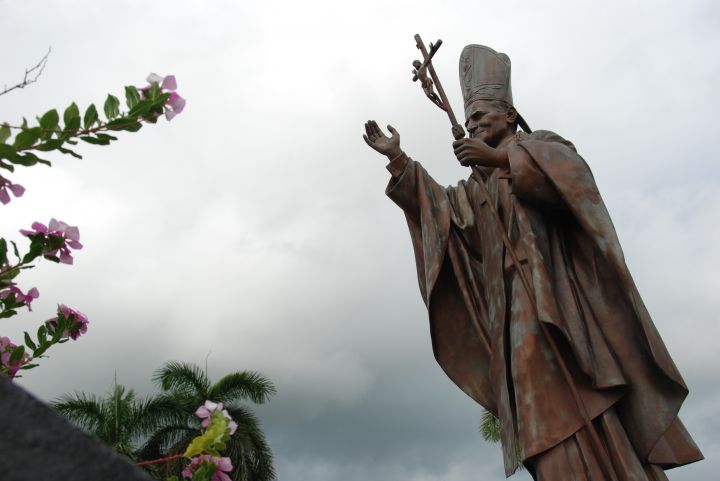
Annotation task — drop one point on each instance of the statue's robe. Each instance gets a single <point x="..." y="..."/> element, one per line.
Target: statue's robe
<point x="485" y="333"/>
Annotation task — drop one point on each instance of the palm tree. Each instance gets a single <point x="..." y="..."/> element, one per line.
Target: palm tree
<point x="119" y="419"/>
<point x="187" y="387"/>
<point x="490" y="431"/>
<point x="490" y="427"/>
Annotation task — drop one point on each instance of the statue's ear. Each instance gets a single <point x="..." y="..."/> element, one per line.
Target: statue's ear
<point x="511" y="115"/>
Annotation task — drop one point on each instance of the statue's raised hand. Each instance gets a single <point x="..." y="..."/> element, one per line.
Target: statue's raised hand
<point x="375" y="138"/>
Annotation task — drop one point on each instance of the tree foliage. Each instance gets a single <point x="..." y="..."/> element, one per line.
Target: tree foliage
<point x="188" y="386"/>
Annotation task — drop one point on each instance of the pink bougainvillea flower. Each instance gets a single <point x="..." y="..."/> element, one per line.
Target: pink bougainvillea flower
<point x="205" y="411"/>
<point x="222" y="467"/>
<point x="169" y="83"/>
<point x="69" y="232"/>
<point x="71" y="235"/>
<point x="31" y="295"/>
<point x="5" y="186"/>
<point x="233" y="425"/>
<point x="175" y="104"/>
<point x="37" y="228"/>
<point x="10" y="367"/>
<point x="57" y="228"/>
<point x="6" y="347"/>
<point x="76" y="322"/>
<point x="153" y="78"/>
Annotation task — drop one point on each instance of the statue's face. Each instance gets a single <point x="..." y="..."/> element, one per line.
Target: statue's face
<point x="486" y="123"/>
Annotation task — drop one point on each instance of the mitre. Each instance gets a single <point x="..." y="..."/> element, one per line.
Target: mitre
<point x="485" y="75"/>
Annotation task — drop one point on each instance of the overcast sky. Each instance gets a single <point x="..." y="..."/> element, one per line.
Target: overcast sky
<point x="253" y="230"/>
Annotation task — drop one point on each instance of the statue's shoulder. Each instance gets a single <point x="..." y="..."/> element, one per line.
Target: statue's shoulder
<point x="545" y="136"/>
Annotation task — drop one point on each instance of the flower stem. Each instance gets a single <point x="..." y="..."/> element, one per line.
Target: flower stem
<point x="160" y="460"/>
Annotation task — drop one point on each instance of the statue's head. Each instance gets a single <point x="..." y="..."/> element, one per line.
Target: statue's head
<point x="491" y="121"/>
<point x="487" y="92"/>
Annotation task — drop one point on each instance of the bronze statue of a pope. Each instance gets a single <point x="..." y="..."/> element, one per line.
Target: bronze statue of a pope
<point x="545" y="329"/>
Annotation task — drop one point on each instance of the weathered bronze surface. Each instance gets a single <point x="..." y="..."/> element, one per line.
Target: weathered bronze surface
<point x="533" y="312"/>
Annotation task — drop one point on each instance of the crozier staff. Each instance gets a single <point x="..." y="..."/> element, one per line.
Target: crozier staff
<point x="485" y="326"/>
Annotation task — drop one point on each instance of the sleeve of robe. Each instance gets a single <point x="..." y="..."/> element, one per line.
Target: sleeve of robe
<point x="450" y="291"/>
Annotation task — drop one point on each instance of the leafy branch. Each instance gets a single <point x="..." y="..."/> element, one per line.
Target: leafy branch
<point x="144" y="105"/>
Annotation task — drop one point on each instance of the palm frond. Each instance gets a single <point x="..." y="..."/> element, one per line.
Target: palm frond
<point x="490" y="431"/>
<point x="164" y="439"/>
<point x="183" y="377"/>
<point x="248" y="385"/>
<point x="83" y="410"/>
<point x="248" y="448"/>
<point x="155" y="412"/>
<point x="490" y="427"/>
<point x="120" y="418"/>
<point x="261" y="458"/>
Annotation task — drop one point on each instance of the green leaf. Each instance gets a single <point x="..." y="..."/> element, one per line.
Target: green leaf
<point x="59" y="330"/>
<point x="212" y="441"/>
<point x="42" y="335"/>
<point x="50" y="120"/>
<point x="204" y="472"/>
<point x="11" y="156"/>
<point x="161" y="100"/>
<point x="41" y="350"/>
<point x="6" y="150"/>
<point x="7" y="313"/>
<point x="94" y="140"/>
<point x="8" y="275"/>
<point x="154" y="91"/>
<point x="27" y="138"/>
<point x="134" y="127"/>
<point x="22" y="159"/>
<point x="37" y="245"/>
<point x="68" y="151"/>
<point x="120" y="124"/>
<point x="15" y="249"/>
<point x="4" y="133"/>
<point x="132" y="96"/>
<point x="7" y="166"/>
<point x="112" y="107"/>
<point x="91" y="116"/>
<point x="105" y="137"/>
<point x="71" y="117"/>
<point x="3" y="252"/>
<point x="29" y="342"/>
<point x="50" y="145"/>
<point x="27" y="159"/>
<point x="141" y="108"/>
<point x="17" y="353"/>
